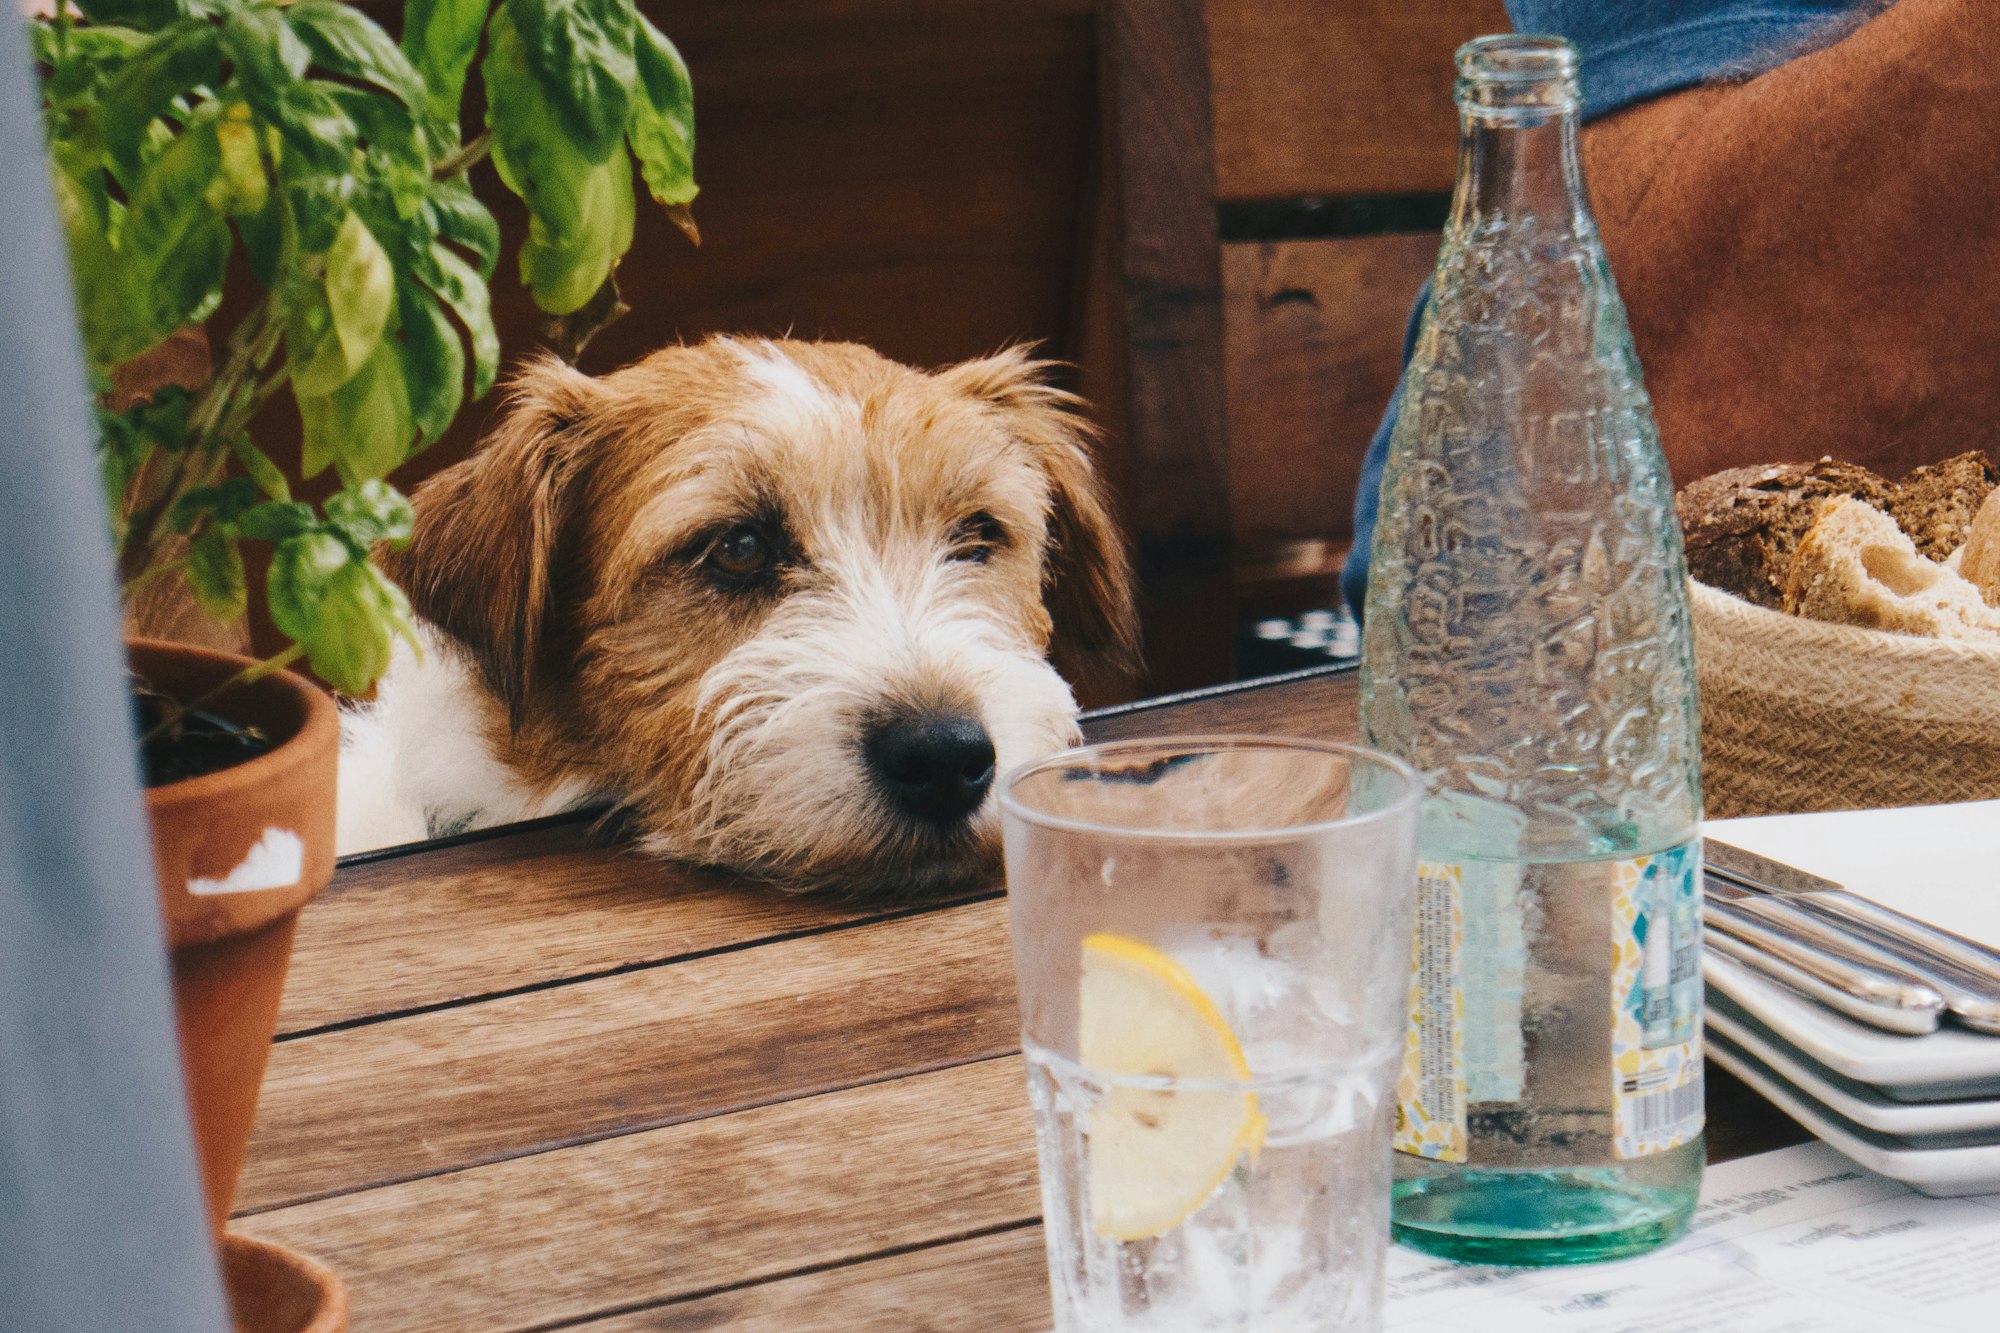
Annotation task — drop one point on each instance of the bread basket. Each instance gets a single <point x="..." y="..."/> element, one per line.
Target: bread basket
<point x="1803" y="715"/>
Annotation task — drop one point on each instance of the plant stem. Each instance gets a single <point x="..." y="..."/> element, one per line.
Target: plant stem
<point x="254" y="672"/>
<point x="253" y="343"/>
<point x="465" y="158"/>
<point x="165" y="567"/>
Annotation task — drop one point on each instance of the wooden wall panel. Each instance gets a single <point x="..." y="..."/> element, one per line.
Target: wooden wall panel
<point x="1314" y="348"/>
<point x="905" y="173"/>
<point x="1343" y="98"/>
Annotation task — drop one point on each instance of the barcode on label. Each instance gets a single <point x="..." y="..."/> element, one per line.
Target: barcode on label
<point x="1656" y="1120"/>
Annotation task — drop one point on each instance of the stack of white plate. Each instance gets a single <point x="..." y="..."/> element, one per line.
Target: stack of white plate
<point x="1923" y="1110"/>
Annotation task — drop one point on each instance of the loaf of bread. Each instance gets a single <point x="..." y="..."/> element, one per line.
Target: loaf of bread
<point x="1743" y="525"/>
<point x="1855" y="566"/>
<point x="1978" y="561"/>
<point x="1935" y="504"/>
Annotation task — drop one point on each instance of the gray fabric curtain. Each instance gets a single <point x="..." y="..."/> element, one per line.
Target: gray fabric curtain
<point x="101" y="1224"/>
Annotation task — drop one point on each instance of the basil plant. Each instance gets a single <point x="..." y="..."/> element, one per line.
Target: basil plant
<point x="332" y="157"/>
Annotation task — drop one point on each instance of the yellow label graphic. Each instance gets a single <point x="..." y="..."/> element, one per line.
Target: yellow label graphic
<point x="1430" y="1095"/>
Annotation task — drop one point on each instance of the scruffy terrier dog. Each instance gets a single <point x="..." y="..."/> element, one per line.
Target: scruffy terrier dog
<point x="792" y="605"/>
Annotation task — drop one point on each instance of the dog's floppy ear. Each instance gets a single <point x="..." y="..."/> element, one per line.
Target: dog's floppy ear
<point x="1087" y="581"/>
<point x="487" y="548"/>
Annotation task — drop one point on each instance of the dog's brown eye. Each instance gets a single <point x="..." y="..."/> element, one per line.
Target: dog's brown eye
<point x="975" y="539"/>
<point x="741" y="551"/>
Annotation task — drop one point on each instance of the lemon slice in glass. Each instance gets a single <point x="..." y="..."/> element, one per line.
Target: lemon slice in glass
<point x="1158" y="1152"/>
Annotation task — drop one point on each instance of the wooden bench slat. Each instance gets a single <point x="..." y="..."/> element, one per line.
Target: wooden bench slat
<point x="676" y="1211"/>
<point x="995" y="1284"/>
<point x="440" y="1091"/>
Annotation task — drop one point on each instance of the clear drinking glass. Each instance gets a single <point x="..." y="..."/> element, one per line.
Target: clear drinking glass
<point x="1213" y="943"/>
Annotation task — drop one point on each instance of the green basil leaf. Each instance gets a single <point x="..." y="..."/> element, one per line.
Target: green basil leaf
<point x="263" y="46"/>
<point x="121" y="451"/>
<point x="392" y="175"/>
<point x="320" y="205"/>
<point x="579" y="211"/>
<point x="580" y="53"/>
<point x="335" y="326"/>
<point x="319" y="364"/>
<point x="465" y="292"/>
<point x="263" y="234"/>
<point x="102" y="280"/>
<point x="364" y="427"/>
<point x="441" y="37"/>
<point x="352" y="628"/>
<point x="271" y="62"/>
<point x="240" y="186"/>
<point x="535" y="158"/>
<point x="276" y="521"/>
<point x="313" y="124"/>
<point x="221" y="503"/>
<point x="214" y="573"/>
<point x="662" y="129"/>
<point x="148" y="15"/>
<point x="563" y="271"/>
<point x="349" y="43"/>
<point x="386" y="124"/>
<point x="97" y="43"/>
<point x="80" y="61"/>
<point x="176" y="62"/>
<point x="175" y="243"/>
<point x="433" y="362"/>
<point x="360" y="288"/>
<point x="459" y="217"/>
<point x="270" y="478"/>
<point x="369" y="513"/>
<point x="301" y="569"/>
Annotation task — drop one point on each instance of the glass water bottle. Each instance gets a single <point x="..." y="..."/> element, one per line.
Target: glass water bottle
<point x="1527" y="648"/>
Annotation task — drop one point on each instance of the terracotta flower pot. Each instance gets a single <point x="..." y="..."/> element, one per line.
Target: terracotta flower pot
<point x="238" y="853"/>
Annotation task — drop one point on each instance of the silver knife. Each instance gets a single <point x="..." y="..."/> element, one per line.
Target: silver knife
<point x="1880" y="997"/>
<point x="1965" y="973"/>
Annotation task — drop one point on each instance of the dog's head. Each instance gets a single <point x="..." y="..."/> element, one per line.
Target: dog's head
<point x="792" y="603"/>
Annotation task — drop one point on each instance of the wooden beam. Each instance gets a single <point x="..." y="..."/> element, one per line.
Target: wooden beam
<point x="1155" y="86"/>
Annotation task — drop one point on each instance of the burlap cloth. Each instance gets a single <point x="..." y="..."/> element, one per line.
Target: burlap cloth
<point x="1801" y="715"/>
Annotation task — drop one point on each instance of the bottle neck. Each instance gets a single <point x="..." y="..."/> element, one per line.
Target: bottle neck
<point x="1518" y="171"/>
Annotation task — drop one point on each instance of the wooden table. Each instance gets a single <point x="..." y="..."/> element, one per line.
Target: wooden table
<point x="535" y="1080"/>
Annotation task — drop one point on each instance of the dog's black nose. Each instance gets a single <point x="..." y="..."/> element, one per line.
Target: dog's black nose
<point x="935" y="766"/>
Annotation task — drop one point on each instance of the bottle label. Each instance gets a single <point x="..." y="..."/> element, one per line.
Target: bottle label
<point x="1470" y="971"/>
<point x="1656" y="1002"/>
<point x="1430" y="1095"/>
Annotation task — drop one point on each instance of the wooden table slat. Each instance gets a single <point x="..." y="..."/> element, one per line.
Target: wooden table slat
<point x="993" y="1284"/>
<point x="483" y="918"/>
<point x="633" y="1051"/>
<point x="687" y="1209"/>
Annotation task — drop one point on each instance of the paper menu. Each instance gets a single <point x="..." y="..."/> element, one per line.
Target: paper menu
<point x="1940" y="863"/>
<point x="1795" y="1241"/>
